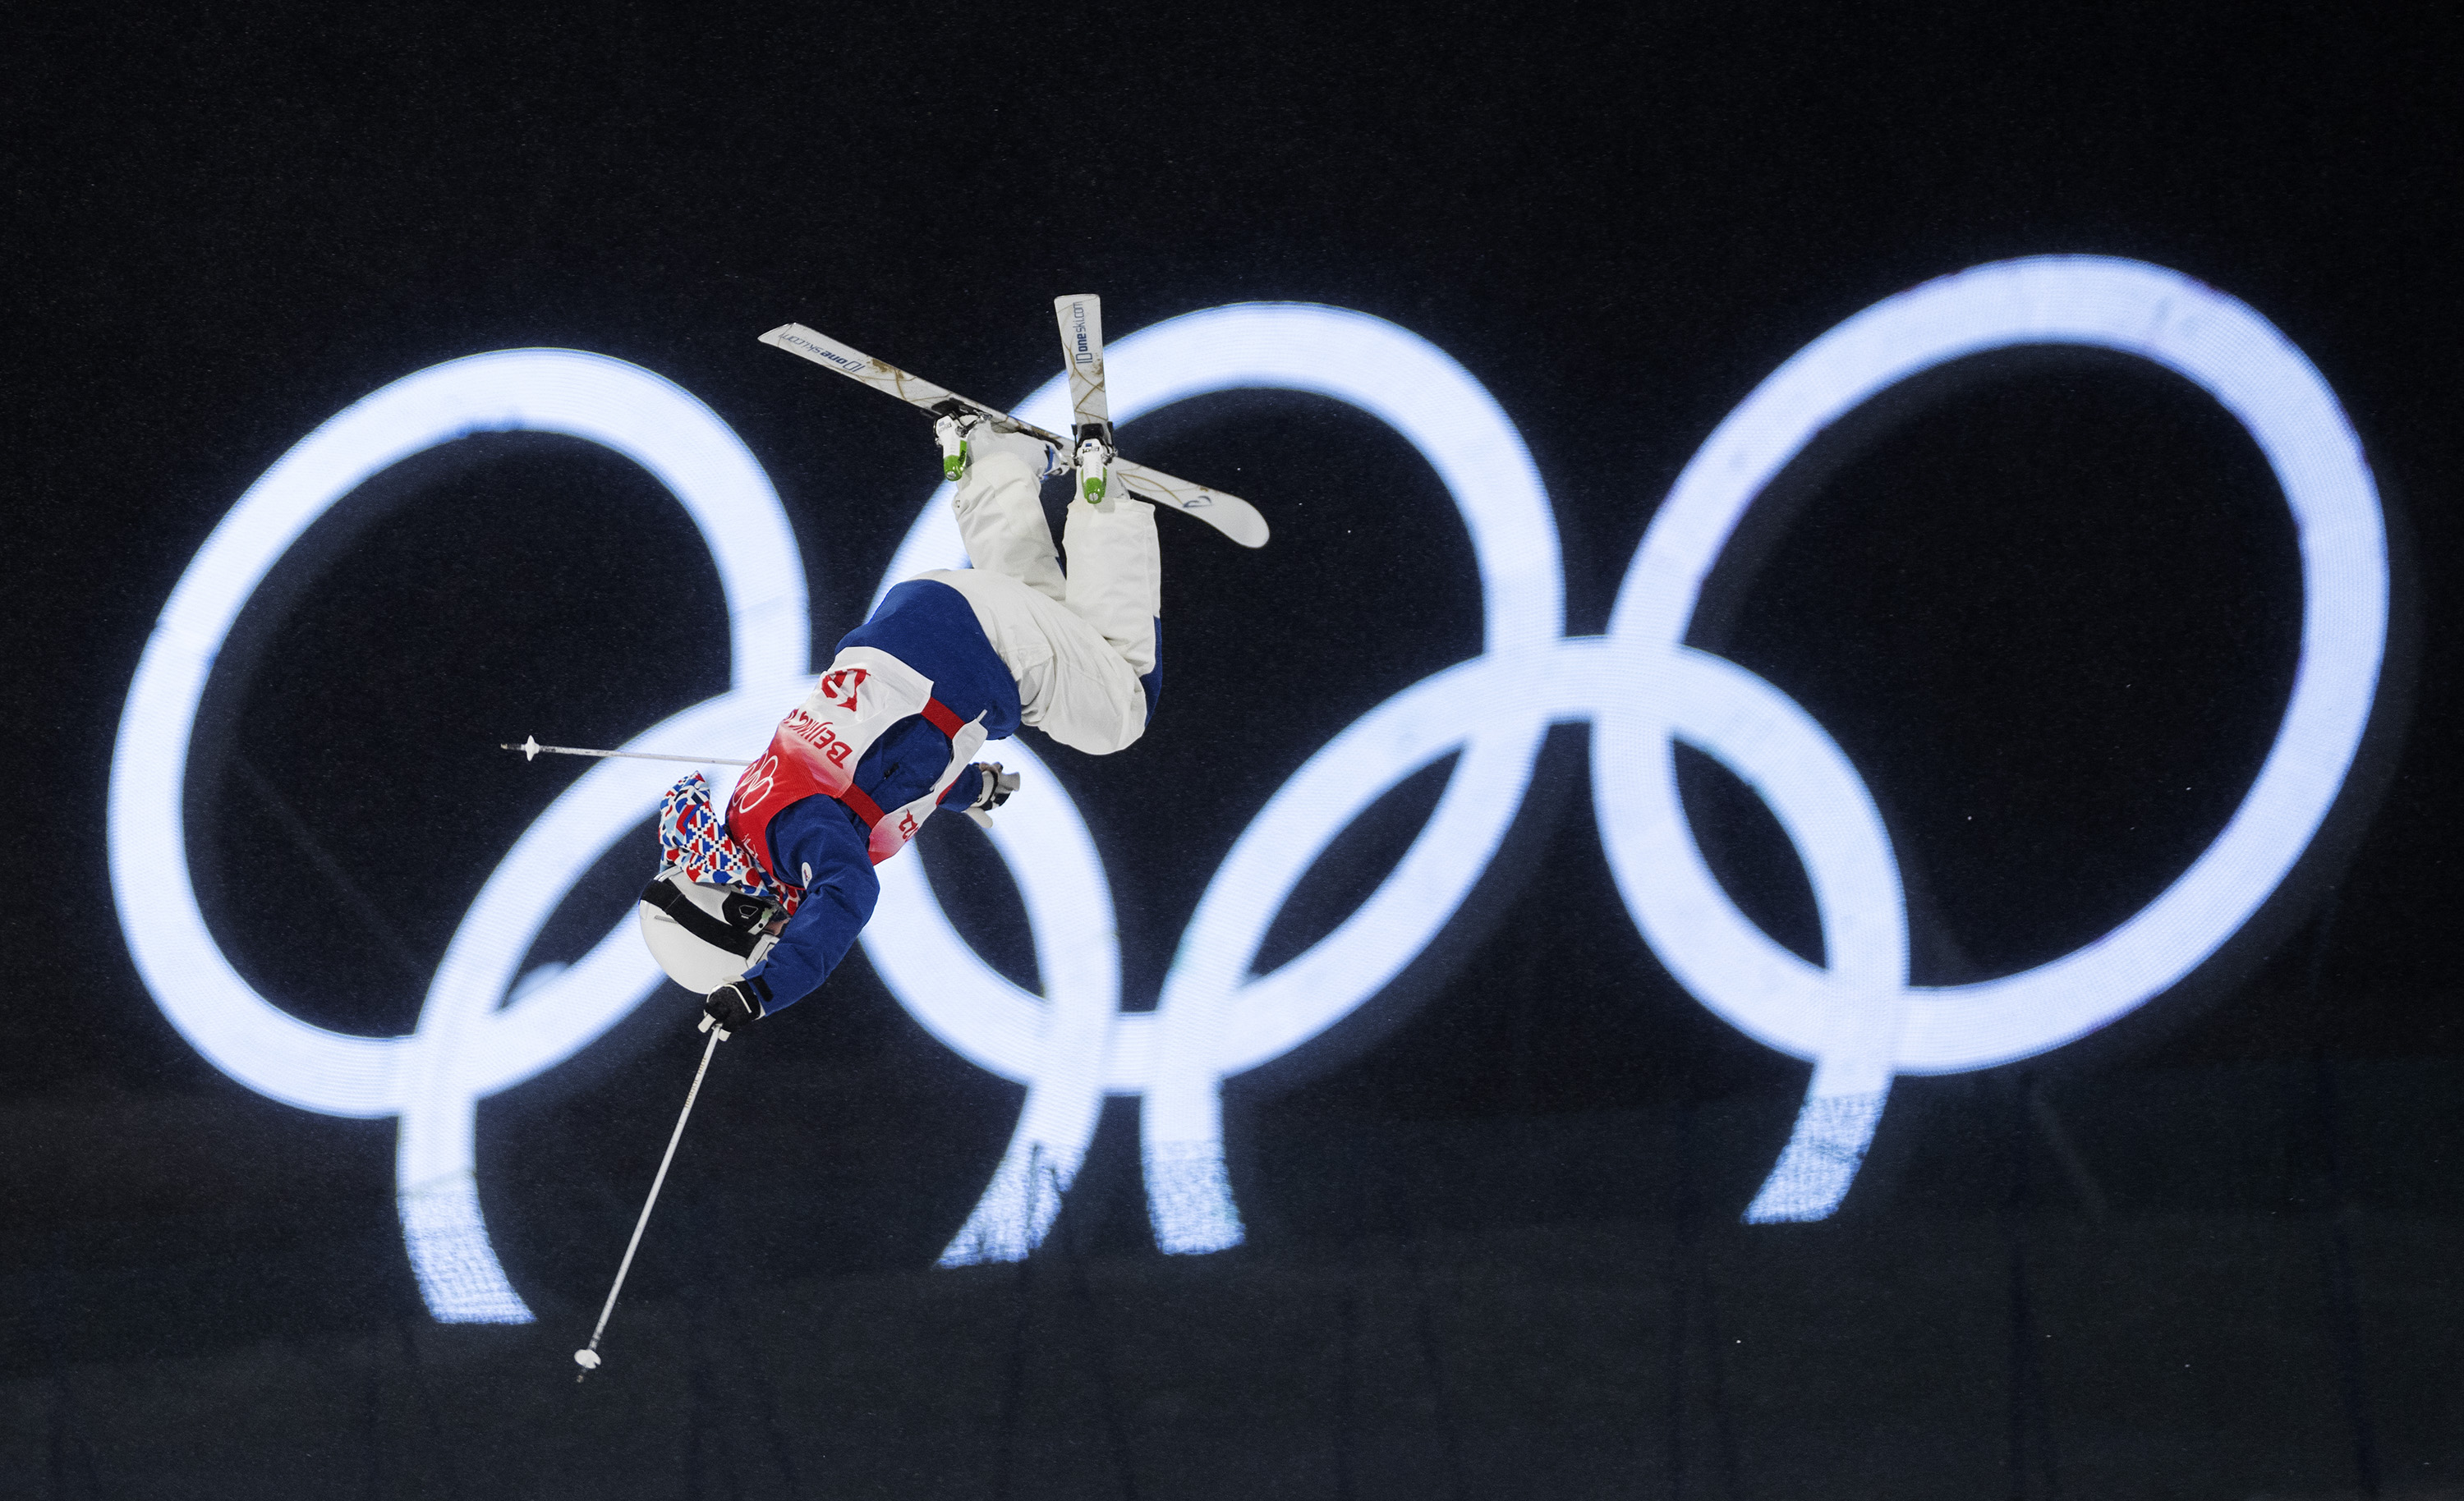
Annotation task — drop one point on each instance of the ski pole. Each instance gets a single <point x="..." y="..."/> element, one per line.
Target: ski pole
<point x="531" y="749"/>
<point x="587" y="1357"/>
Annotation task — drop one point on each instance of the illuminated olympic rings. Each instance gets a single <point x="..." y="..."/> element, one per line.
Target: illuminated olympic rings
<point x="1854" y="1017"/>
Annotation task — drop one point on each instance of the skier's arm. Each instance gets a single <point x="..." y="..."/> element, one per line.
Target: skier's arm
<point x="818" y="835"/>
<point x="820" y="847"/>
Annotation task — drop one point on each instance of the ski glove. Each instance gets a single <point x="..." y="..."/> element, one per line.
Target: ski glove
<point x="736" y="1005"/>
<point x="992" y="787"/>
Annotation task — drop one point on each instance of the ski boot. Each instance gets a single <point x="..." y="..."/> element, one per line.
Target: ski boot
<point x="952" y="428"/>
<point x="1095" y="455"/>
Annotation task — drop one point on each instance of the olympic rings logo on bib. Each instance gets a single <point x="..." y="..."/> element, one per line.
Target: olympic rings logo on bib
<point x="756" y="782"/>
<point x="1856" y="1017"/>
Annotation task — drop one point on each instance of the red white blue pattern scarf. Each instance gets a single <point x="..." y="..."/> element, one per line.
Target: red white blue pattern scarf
<point x="694" y="838"/>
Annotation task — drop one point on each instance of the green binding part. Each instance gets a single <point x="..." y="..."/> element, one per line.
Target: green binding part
<point x="954" y="465"/>
<point x="1094" y="487"/>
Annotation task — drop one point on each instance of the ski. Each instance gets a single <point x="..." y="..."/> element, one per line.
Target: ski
<point x="1227" y="514"/>
<point x="1081" y="316"/>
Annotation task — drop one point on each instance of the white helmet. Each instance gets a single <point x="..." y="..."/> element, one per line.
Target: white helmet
<point x="705" y="935"/>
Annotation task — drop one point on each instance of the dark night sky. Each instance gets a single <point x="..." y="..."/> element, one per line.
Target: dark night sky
<point x="2029" y="611"/>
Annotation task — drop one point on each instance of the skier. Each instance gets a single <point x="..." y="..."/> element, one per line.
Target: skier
<point x="755" y="910"/>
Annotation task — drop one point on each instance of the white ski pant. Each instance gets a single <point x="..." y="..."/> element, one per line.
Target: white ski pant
<point x="1076" y="643"/>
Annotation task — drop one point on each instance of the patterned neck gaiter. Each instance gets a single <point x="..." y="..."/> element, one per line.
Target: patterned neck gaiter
<point x="694" y="838"/>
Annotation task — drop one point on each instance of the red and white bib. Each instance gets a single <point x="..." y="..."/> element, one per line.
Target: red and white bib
<point x="816" y="748"/>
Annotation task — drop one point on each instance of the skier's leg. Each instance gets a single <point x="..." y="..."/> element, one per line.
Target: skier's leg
<point x="1116" y="575"/>
<point x="1001" y="510"/>
<point x="1072" y="684"/>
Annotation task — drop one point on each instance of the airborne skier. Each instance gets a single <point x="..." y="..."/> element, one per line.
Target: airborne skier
<point x="754" y="910"/>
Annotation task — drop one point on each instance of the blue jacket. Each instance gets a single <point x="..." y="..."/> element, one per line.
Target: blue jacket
<point x="818" y="843"/>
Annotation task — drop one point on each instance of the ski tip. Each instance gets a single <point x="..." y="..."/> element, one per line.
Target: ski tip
<point x="1229" y="514"/>
<point x="1234" y="517"/>
<point x="821" y="349"/>
<point x="1237" y="519"/>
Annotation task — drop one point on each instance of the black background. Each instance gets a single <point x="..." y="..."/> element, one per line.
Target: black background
<point x="2049" y="611"/>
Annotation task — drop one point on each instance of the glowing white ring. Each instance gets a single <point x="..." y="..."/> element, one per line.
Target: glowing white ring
<point x="1858" y="1019"/>
<point x="1214" y="1020"/>
<point x="465" y="1047"/>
